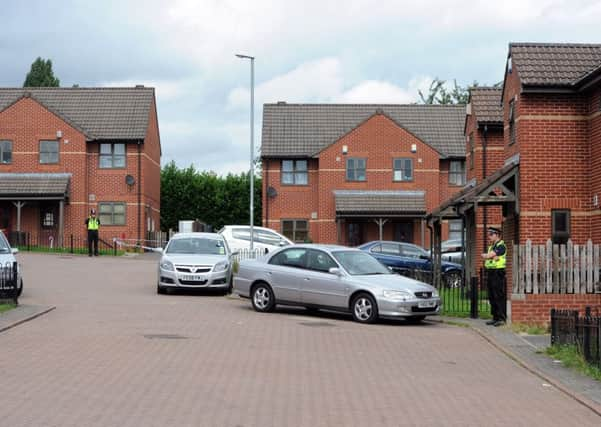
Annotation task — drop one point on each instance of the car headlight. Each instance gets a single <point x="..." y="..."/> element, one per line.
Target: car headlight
<point x="397" y="295"/>
<point x="435" y="293"/>
<point x="167" y="265"/>
<point x="221" y="266"/>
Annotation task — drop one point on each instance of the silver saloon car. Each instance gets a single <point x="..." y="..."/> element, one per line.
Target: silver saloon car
<point x="334" y="278"/>
<point x="7" y="260"/>
<point x="194" y="260"/>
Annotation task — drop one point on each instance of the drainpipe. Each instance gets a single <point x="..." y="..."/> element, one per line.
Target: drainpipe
<point x="139" y="191"/>
<point x="484" y="171"/>
<point x="265" y="193"/>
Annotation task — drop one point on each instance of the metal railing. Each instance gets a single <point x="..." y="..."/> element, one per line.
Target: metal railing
<point x="568" y="328"/>
<point x="72" y="244"/>
<point x="9" y="287"/>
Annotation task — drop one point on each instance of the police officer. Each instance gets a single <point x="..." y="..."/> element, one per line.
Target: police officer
<point x="93" y="224"/>
<point x="494" y="263"/>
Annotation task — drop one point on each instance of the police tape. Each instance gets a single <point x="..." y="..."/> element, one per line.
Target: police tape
<point x="121" y="243"/>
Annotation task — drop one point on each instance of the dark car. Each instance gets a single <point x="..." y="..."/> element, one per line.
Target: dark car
<point x="412" y="261"/>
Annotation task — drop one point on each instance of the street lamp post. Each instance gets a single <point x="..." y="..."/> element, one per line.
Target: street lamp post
<point x="252" y="145"/>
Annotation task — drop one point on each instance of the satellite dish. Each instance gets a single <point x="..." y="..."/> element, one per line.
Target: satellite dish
<point x="130" y="180"/>
<point x="271" y="192"/>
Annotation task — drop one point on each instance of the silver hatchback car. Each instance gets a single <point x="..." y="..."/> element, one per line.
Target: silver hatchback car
<point x="334" y="278"/>
<point x="194" y="260"/>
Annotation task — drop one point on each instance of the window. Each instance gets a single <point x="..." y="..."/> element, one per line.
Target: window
<point x="320" y="261"/>
<point x="390" y="249"/>
<point x="560" y="226"/>
<point x="355" y="169"/>
<point x="290" y="258"/>
<point x="296" y="230"/>
<point x="294" y="172"/>
<point x="472" y="151"/>
<point x="403" y="169"/>
<point x="413" y="251"/>
<point x="457" y="172"/>
<point x="111" y="213"/>
<point x="112" y="156"/>
<point x="455" y="229"/>
<point x="6" y="152"/>
<point x="511" y="122"/>
<point x="48" y="151"/>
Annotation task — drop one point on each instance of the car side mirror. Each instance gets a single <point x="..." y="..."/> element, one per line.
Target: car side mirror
<point x="14" y="251"/>
<point x="335" y="271"/>
<point x="158" y="250"/>
<point x="428" y="257"/>
<point x="282" y="243"/>
<point x="236" y="253"/>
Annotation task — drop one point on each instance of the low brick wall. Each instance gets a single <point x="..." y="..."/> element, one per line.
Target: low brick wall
<point x="535" y="308"/>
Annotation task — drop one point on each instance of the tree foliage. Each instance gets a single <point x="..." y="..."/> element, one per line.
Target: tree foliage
<point x="188" y="194"/>
<point x="41" y="75"/>
<point x="438" y="93"/>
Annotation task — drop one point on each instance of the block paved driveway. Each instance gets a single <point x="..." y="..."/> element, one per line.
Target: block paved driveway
<point x="114" y="353"/>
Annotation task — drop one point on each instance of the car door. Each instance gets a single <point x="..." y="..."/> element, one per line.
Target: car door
<point x="420" y="261"/>
<point x="389" y="254"/>
<point x="319" y="286"/>
<point x="284" y="272"/>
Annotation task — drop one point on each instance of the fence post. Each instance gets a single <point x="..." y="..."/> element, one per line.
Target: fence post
<point x="71" y="243"/>
<point x="586" y="340"/>
<point x="474" y="298"/>
<point x="553" y="327"/>
<point x="114" y="247"/>
<point x="15" y="283"/>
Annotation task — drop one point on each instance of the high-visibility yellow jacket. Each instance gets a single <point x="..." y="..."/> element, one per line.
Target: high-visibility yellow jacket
<point x="501" y="260"/>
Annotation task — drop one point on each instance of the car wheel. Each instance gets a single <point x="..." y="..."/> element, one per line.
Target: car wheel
<point x="415" y="319"/>
<point x="20" y="290"/>
<point x="161" y="290"/>
<point x="453" y="279"/>
<point x="262" y="298"/>
<point x="364" y="309"/>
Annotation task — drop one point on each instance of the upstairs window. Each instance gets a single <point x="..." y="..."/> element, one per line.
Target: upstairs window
<point x="403" y="169"/>
<point x="457" y="172"/>
<point x="48" y="152"/>
<point x="511" y="122"/>
<point x="455" y="229"/>
<point x="294" y="172"/>
<point x="111" y="213"/>
<point x="6" y="152"/>
<point x="355" y="169"/>
<point x="112" y="156"/>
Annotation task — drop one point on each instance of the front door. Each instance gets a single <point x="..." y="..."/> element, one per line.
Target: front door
<point x="5" y="219"/>
<point x="403" y="231"/>
<point x="355" y="233"/>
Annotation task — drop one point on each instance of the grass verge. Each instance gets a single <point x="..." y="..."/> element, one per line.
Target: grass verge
<point x="529" y="329"/>
<point x="571" y="358"/>
<point x="6" y="307"/>
<point x="78" y="251"/>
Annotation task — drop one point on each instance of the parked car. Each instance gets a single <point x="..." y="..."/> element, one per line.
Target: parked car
<point x="334" y="278"/>
<point x="412" y="261"/>
<point x="7" y="259"/>
<point x="194" y="260"/>
<point x="451" y="250"/>
<point x="265" y="239"/>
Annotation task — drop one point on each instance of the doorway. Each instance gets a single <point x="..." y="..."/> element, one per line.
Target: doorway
<point x="355" y="233"/>
<point x="403" y="231"/>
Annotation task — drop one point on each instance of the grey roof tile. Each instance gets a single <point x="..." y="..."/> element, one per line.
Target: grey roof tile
<point x="100" y="113"/>
<point x="358" y="201"/>
<point x="554" y="64"/>
<point x="35" y="184"/>
<point x="486" y="104"/>
<point x="304" y="130"/>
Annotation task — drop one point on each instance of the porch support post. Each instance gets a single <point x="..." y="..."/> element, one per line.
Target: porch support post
<point x="423" y="225"/>
<point x="61" y="222"/>
<point x="19" y="205"/>
<point x="338" y="230"/>
<point x="381" y="222"/>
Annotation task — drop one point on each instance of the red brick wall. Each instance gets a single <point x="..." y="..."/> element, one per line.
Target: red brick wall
<point x="378" y="139"/>
<point x="27" y="122"/>
<point x="536" y="308"/>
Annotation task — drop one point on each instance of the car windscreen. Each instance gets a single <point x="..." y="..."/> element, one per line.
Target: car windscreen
<point x="359" y="263"/>
<point x="196" y="246"/>
<point x="4" y="248"/>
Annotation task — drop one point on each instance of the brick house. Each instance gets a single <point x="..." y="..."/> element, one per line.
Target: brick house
<point x="64" y="151"/>
<point x="349" y="174"/>
<point x="544" y="176"/>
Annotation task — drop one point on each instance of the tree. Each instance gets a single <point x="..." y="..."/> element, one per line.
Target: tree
<point x="439" y="94"/>
<point x="41" y="75"/>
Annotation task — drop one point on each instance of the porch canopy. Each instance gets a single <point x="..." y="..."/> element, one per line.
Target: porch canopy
<point x="21" y="188"/>
<point x="379" y="205"/>
<point x="500" y="188"/>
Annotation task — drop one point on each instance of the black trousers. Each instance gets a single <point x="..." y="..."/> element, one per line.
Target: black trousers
<point x="93" y="240"/>
<point x="495" y="279"/>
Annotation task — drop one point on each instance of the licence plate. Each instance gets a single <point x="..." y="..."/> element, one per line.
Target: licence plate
<point x="193" y="277"/>
<point x="426" y="304"/>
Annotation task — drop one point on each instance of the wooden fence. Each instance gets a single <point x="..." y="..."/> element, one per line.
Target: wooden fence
<point x="556" y="269"/>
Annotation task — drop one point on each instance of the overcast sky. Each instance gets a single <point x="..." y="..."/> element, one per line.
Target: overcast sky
<point x="356" y="51"/>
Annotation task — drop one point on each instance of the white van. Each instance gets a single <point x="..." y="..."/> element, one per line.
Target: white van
<point x="238" y="238"/>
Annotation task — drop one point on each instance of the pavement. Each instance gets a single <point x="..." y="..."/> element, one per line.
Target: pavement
<point x="114" y="353"/>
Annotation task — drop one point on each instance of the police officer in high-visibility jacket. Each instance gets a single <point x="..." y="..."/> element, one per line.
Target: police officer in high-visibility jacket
<point x="93" y="224"/>
<point x="494" y="263"/>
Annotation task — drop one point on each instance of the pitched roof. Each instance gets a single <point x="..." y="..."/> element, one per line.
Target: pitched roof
<point x="486" y="104"/>
<point x="381" y="202"/>
<point x="35" y="185"/>
<point x="554" y="64"/>
<point x="100" y="113"/>
<point x="304" y="130"/>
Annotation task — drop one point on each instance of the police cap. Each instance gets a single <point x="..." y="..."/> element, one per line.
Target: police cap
<point x="494" y="230"/>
